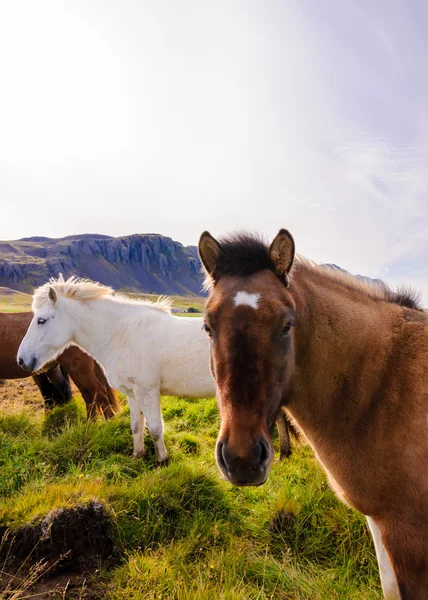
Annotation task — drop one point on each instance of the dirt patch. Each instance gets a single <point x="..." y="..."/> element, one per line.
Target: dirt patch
<point x="71" y="542"/>
<point x="23" y="395"/>
<point x="65" y="586"/>
<point x="20" y="395"/>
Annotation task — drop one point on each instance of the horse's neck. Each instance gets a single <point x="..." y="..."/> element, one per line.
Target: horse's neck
<point x="98" y="325"/>
<point x="342" y="345"/>
<point x="358" y="390"/>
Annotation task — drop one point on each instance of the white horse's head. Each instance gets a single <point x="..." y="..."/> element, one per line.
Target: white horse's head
<point x="49" y="333"/>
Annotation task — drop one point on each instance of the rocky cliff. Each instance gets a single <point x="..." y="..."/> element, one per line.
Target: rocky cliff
<point x="148" y="263"/>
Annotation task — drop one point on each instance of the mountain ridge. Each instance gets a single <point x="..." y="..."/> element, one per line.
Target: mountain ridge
<point x="150" y="263"/>
<point x="139" y="262"/>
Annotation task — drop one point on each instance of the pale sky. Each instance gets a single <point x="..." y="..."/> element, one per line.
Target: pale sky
<point x="122" y="117"/>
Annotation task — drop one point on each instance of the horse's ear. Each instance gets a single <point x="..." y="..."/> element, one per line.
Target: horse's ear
<point x="52" y="295"/>
<point x="281" y="253"/>
<point x="209" y="250"/>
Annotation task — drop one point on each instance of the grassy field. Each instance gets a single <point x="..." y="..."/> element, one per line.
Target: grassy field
<point x="13" y="301"/>
<point x="175" y="532"/>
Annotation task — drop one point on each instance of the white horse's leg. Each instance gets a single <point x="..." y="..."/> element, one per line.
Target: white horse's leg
<point x="149" y="401"/>
<point x="137" y="426"/>
<point x="387" y="575"/>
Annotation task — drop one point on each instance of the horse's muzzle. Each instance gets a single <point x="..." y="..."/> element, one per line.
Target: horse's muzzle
<point x="252" y="469"/>
<point x="28" y="366"/>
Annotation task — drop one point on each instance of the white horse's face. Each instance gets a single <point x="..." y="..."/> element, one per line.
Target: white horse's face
<point x="50" y="331"/>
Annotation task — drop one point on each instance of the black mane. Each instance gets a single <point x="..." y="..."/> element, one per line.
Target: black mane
<point x="242" y="254"/>
<point x="405" y="297"/>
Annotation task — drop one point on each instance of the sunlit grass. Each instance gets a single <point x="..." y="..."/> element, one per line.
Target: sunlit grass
<point x="180" y="530"/>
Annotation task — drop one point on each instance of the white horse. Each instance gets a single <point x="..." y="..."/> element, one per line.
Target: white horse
<point x="144" y="350"/>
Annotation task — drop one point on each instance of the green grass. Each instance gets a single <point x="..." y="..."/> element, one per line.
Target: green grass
<point x="181" y="531"/>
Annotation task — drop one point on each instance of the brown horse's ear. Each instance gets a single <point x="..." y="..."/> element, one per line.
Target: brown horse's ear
<point x="52" y="295"/>
<point x="281" y="253"/>
<point x="209" y="250"/>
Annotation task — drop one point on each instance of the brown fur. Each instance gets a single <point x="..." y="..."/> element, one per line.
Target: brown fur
<point x="355" y="380"/>
<point x="83" y="370"/>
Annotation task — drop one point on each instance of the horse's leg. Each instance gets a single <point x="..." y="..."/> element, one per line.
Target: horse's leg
<point x="91" y="405"/>
<point x="138" y="422"/>
<point x="387" y="576"/>
<point x="284" y="435"/>
<point x="149" y="401"/>
<point x="407" y="548"/>
<point x="107" y="408"/>
<point x="87" y="395"/>
<point x="105" y="398"/>
<point x="102" y="403"/>
<point x="90" y="389"/>
<point x="59" y="378"/>
<point x="66" y="386"/>
<point x="47" y="390"/>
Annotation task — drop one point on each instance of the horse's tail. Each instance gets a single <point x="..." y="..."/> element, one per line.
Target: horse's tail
<point x="112" y="406"/>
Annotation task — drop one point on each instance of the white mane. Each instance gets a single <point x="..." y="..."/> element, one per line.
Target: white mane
<point x="86" y="290"/>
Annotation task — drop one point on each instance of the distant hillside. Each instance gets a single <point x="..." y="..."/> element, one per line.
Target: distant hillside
<point x="14" y="296"/>
<point x="148" y="263"/>
<point x="13" y="301"/>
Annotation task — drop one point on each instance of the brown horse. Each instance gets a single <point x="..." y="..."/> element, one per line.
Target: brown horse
<point x="88" y="376"/>
<point x="349" y="360"/>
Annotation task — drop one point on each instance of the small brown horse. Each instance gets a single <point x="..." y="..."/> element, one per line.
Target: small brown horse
<point x="350" y="362"/>
<point x="88" y="376"/>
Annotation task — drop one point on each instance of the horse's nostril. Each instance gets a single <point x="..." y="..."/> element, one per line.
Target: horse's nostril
<point x="264" y="451"/>
<point x="20" y="362"/>
<point x="220" y="454"/>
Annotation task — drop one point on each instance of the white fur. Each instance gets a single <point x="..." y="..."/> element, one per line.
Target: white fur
<point x="247" y="299"/>
<point x="387" y="575"/>
<point x="144" y="350"/>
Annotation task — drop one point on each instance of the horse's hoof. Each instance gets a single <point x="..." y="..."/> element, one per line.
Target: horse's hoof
<point x="139" y="454"/>
<point x="163" y="463"/>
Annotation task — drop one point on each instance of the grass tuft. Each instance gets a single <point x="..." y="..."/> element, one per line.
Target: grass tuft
<point x="62" y="417"/>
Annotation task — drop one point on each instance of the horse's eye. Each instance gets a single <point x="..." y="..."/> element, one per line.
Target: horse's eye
<point x="287" y="328"/>
<point x="41" y="321"/>
<point x="208" y="330"/>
